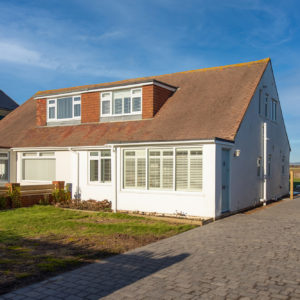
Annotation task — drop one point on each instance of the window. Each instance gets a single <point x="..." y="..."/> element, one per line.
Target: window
<point x="260" y="102"/>
<point x="188" y="169"/>
<point x="100" y="166"/>
<point x="64" y="108"/>
<point x="282" y="166"/>
<point x="161" y="169"/>
<point x="266" y="106"/>
<point x="3" y="166"/>
<point x="134" y="169"/>
<point x="38" y="166"/>
<point x="167" y="169"/>
<point x="269" y="164"/>
<point x="258" y="165"/>
<point x="121" y="102"/>
<point x="274" y="110"/>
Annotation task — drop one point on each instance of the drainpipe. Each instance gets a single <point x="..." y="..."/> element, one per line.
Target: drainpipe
<point x="77" y="177"/>
<point x="114" y="151"/>
<point x="265" y="163"/>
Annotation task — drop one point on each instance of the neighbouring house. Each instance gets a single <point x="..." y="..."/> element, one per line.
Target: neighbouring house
<point x="199" y="143"/>
<point x="6" y="105"/>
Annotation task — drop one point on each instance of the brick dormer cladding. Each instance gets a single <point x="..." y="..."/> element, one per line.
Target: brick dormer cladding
<point x="154" y="97"/>
<point x="90" y="107"/>
<point x="41" y="112"/>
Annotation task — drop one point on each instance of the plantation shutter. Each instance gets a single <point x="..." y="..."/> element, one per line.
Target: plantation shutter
<point x="195" y="169"/>
<point x="3" y="170"/>
<point x="167" y="170"/>
<point x="154" y="169"/>
<point x="105" y="166"/>
<point x="134" y="169"/>
<point x="182" y="170"/>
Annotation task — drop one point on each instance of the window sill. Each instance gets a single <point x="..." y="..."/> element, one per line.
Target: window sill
<point x="157" y="191"/>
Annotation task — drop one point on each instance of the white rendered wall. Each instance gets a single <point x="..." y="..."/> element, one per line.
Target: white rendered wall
<point x="172" y="202"/>
<point x="246" y="186"/>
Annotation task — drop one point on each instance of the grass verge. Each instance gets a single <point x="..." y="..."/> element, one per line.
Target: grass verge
<point x="41" y="241"/>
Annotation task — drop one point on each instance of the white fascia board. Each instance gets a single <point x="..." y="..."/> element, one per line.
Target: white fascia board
<point x="107" y="89"/>
<point x="162" y="143"/>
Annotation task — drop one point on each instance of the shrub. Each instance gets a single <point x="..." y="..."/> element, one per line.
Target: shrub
<point x="94" y="205"/>
<point x="3" y="202"/>
<point x="45" y="200"/>
<point x="61" y="196"/>
<point x="14" y="195"/>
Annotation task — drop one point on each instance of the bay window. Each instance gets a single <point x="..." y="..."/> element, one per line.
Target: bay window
<point x="38" y="166"/>
<point x="100" y="166"/>
<point x="166" y="169"/>
<point x="121" y="102"/>
<point x="64" y="108"/>
<point x="3" y="167"/>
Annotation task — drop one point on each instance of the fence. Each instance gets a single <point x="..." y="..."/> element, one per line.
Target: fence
<point x="32" y="194"/>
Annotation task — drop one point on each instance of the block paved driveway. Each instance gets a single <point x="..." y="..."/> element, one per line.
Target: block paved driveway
<point x="246" y="256"/>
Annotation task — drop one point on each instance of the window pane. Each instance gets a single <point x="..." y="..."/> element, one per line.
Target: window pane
<point x="77" y="110"/>
<point x="127" y="105"/>
<point x="76" y="99"/>
<point x="47" y="153"/>
<point x="94" y="153"/>
<point x="94" y="170"/>
<point x="118" y="106"/>
<point x="3" y="170"/>
<point x="154" y="169"/>
<point x="64" y="108"/>
<point x="51" y="102"/>
<point x="52" y="112"/>
<point x="167" y="168"/>
<point x="141" y="172"/>
<point x="3" y="155"/>
<point x="181" y="169"/>
<point x="196" y="170"/>
<point x="105" y="170"/>
<point x="38" y="169"/>
<point x="129" y="172"/>
<point x="134" y="169"/>
<point x="136" y="104"/>
<point x="105" y="153"/>
<point x="30" y="154"/>
<point x="105" y="107"/>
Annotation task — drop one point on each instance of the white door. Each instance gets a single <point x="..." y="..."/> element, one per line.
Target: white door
<point x="225" y="180"/>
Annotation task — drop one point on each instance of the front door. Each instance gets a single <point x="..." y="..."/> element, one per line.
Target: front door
<point x="225" y="180"/>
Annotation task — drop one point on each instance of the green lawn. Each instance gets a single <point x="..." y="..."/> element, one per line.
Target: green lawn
<point x="40" y="241"/>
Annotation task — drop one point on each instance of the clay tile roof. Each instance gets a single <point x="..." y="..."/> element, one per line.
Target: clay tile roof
<point x="208" y="103"/>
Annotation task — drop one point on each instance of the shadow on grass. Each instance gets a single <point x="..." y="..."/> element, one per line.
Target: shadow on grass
<point x="24" y="261"/>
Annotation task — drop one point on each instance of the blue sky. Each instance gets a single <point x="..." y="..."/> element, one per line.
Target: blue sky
<point x="53" y="44"/>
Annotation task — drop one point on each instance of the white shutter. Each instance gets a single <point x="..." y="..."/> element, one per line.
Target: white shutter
<point x="181" y="169"/>
<point x="129" y="169"/>
<point x="195" y="170"/>
<point x="167" y="169"/>
<point x="154" y="169"/>
<point x="38" y="169"/>
<point x="141" y="172"/>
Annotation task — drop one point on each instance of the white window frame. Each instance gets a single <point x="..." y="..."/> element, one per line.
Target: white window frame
<point x="111" y="114"/>
<point x="159" y="190"/>
<point x="99" y="159"/>
<point x="37" y="157"/>
<point x="55" y="119"/>
<point x="8" y="166"/>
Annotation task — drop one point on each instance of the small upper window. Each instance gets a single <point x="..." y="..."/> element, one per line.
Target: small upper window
<point x="64" y="108"/>
<point x="121" y="102"/>
<point x="266" y="106"/>
<point x="274" y="110"/>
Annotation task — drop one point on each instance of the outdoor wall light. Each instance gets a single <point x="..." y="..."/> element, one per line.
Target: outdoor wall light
<point x="237" y="153"/>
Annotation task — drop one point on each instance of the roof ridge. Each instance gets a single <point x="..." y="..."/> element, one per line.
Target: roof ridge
<point x="155" y="76"/>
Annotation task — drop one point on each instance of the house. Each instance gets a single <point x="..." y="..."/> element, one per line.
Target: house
<point x="6" y="105"/>
<point x="200" y="142"/>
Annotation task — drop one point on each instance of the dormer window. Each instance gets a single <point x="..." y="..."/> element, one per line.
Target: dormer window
<point x="64" y="108"/>
<point x="121" y="102"/>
